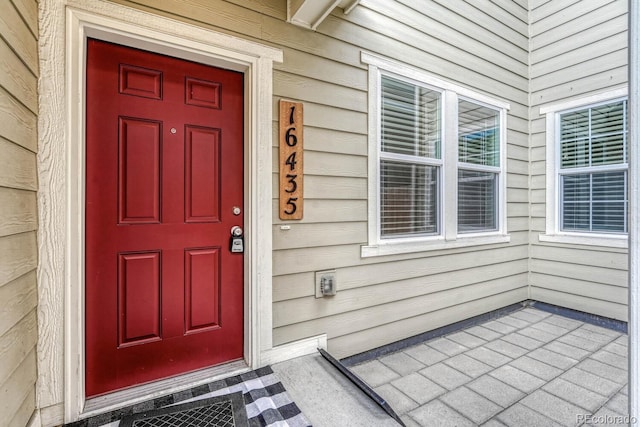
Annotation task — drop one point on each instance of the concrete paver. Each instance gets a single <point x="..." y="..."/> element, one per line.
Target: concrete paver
<point x="530" y="368"/>
<point x="500" y="327"/>
<point x="375" y="373"/>
<point x="496" y="391"/>
<point x="418" y="388"/>
<point x="564" y="322"/>
<point x="577" y="341"/>
<point x="553" y="407"/>
<point x="619" y="349"/>
<point x="514" y="321"/>
<point x="612" y="359"/>
<point x="467" y="340"/>
<point x="591" y="381"/>
<point x="517" y="378"/>
<point x="537" y="334"/>
<point x="575" y="394"/>
<point x="437" y="414"/>
<point x="506" y="348"/>
<point x="446" y="346"/>
<point x="488" y="356"/>
<point x="522" y="341"/>
<point x="598" y="335"/>
<point x="399" y="401"/>
<point x="445" y="375"/>
<point x="520" y="415"/>
<point x="536" y="368"/>
<point x="471" y="404"/>
<point x="568" y="350"/>
<point x="425" y="354"/>
<point x="619" y="403"/>
<point x="484" y="333"/>
<point x="547" y="326"/>
<point x="552" y="358"/>
<point x="401" y="363"/>
<point x="468" y="365"/>
<point x="602" y="369"/>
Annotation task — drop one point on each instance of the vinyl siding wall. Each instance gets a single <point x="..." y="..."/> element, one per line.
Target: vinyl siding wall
<point x="578" y="48"/>
<point x="18" y="210"/>
<point x="482" y="46"/>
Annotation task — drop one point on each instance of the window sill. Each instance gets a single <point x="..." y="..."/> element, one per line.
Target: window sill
<point x="395" y="248"/>
<point x="621" y="242"/>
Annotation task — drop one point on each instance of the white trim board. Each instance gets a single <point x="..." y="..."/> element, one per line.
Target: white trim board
<point x="61" y="176"/>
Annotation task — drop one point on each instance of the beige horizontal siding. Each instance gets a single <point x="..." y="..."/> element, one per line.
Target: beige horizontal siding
<point x="481" y="45"/>
<point x="578" y="48"/>
<point x="506" y="293"/>
<point x="18" y="210"/>
<point x="353" y="333"/>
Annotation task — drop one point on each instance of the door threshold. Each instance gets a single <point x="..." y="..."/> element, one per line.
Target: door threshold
<point x="132" y="395"/>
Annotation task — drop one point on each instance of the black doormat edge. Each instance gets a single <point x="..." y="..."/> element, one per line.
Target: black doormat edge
<point x="237" y="405"/>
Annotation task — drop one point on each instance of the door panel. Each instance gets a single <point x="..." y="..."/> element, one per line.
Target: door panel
<point x="202" y="283"/>
<point x="202" y="174"/>
<point x="139" y="171"/>
<point x="139" y="280"/>
<point x="164" y="156"/>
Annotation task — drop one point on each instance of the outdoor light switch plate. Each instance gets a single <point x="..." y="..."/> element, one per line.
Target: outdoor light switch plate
<point x="326" y="283"/>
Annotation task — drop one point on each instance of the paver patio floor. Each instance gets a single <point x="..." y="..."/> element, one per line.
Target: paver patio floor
<point x="528" y="368"/>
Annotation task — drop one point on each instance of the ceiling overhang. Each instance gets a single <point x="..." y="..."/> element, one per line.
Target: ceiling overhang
<point x="310" y="13"/>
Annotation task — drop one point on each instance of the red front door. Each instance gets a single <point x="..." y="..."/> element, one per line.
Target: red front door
<point x="164" y="187"/>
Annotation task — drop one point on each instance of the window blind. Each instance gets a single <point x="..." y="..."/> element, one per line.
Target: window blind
<point x="478" y="155"/>
<point x="410" y="119"/>
<point x="595" y="202"/>
<point x="478" y="140"/>
<point x="595" y="136"/>
<point x="409" y="195"/>
<point x="476" y="201"/>
<point x="594" y="199"/>
<point x="411" y="128"/>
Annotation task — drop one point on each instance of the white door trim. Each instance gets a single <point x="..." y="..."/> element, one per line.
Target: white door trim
<point x="63" y="193"/>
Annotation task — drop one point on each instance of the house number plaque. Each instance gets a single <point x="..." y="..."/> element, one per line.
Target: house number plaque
<point x="291" y="166"/>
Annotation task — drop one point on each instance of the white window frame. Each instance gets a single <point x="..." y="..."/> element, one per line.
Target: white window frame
<point x="448" y="236"/>
<point x="553" y="234"/>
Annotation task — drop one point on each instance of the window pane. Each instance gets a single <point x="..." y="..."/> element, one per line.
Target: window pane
<point x="410" y="119"/>
<point x="595" y="202"/>
<point x="594" y="136"/>
<point x="575" y="153"/>
<point x="609" y="201"/>
<point x="478" y="134"/>
<point x="607" y="149"/>
<point x="574" y="137"/>
<point x="576" y="209"/>
<point x="408" y="199"/>
<point x="477" y="201"/>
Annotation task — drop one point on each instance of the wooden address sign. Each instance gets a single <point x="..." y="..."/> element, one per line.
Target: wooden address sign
<point x="291" y="164"/>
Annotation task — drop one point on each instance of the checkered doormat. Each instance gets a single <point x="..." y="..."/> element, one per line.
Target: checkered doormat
<point x="266" y="401"/>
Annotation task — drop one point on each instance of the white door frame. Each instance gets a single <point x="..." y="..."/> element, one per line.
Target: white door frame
<point x="108" y="21"/>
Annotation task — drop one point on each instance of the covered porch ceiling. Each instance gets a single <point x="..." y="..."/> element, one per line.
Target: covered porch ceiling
<point x="310" y="13"/>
